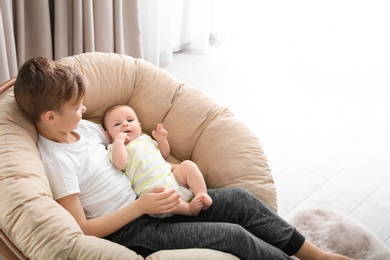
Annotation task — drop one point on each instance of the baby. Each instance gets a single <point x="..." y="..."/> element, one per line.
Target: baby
<point x="144" y="161"/>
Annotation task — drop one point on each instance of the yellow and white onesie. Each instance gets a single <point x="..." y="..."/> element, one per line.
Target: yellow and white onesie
<point x="146" y="168"/>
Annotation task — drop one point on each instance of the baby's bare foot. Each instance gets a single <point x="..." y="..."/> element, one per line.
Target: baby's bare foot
<point x="196" y="205"/>
<point x="206" y="199"/>
<point x="201" y="201"/>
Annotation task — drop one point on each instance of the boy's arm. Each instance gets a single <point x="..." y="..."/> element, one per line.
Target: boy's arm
<point x="157" y="200"/>
<point x="160" y="134"/>
<point x="119" y="153"/>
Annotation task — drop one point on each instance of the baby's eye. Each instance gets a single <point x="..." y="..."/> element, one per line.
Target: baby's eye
<point x="116" y="124"/>
<point x="130" y="120"/>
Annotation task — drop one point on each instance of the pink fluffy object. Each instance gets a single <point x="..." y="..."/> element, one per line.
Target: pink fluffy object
<point x="339" y="233"/>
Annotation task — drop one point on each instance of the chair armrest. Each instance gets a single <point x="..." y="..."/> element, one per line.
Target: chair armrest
<point x="6" y="85"/>
<point x="8" y="249"/>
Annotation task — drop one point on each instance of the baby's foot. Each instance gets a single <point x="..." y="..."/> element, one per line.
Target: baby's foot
<point x="206" y="199"/>
<point x="201" y="201"/>
<point x="196" y="205"/>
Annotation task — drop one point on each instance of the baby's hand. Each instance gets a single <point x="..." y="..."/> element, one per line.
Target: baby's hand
<point x="160" y="133"/>
<point x="123" y="136"/>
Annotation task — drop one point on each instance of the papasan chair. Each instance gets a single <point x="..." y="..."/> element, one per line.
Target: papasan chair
<point x="34" y="226"/>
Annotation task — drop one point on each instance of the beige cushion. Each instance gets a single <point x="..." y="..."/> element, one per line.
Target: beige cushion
<point x="199" y="129"/>
<point x="190" y="254"/>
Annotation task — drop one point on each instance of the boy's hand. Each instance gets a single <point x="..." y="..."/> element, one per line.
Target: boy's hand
<point x="160" y="134"/>
<point x="123" y="136"/>
<point x="158" y="200"/>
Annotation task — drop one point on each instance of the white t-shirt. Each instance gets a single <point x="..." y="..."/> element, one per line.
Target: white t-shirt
<point x="84" y="168"/>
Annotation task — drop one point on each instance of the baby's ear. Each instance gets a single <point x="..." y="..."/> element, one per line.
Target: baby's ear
<point x="108" y="136"/>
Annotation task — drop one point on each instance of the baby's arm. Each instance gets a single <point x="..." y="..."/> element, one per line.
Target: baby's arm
<point x="160" y="134"/>
<point x="119" y="153"/>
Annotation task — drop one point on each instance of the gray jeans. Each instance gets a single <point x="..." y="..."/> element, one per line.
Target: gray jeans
<point x="237" y="223"/>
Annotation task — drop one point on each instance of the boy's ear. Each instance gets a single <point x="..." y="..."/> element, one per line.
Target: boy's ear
<point x="48" y="117"/>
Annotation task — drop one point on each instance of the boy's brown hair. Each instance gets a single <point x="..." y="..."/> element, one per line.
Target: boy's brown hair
<point x="43" y="85"/>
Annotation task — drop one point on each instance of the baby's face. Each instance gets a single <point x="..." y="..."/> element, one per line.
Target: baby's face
<point x="123" y="120"/>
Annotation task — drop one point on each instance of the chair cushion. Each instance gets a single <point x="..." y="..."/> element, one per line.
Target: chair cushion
<point x="226" y="151"/>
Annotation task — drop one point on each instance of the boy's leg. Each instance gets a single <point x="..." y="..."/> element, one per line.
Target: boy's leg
<point x="237" y="205"/>
<point x="224" y="226"/>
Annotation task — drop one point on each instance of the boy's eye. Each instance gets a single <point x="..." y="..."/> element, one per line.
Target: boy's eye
<point x="116" y="124"/>
<point x="130" y="120"/>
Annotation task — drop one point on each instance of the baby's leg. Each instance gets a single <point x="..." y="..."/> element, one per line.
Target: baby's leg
<point x="188" y="175"/>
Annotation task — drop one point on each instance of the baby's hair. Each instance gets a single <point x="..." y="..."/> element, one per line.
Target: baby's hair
<point x="109" y="111"/>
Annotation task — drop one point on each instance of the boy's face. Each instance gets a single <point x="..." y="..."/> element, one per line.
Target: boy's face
<point x="123" y="120"/>
<point x="71" y="113"/>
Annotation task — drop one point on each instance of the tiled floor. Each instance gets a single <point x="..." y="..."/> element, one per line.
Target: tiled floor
<point x="319" y="104"/>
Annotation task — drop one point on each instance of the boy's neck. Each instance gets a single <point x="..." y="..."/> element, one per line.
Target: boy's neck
<point x="58" y="137"/>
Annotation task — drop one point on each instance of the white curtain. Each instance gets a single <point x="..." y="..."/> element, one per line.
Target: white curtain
<point x="25" y="33"/>
<point x="8" y="61"/>
<point x="149" y="29"/>
<point x="56" y="29"/>
<point x="172" y="25"/>
<point x="96" y="25"/>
